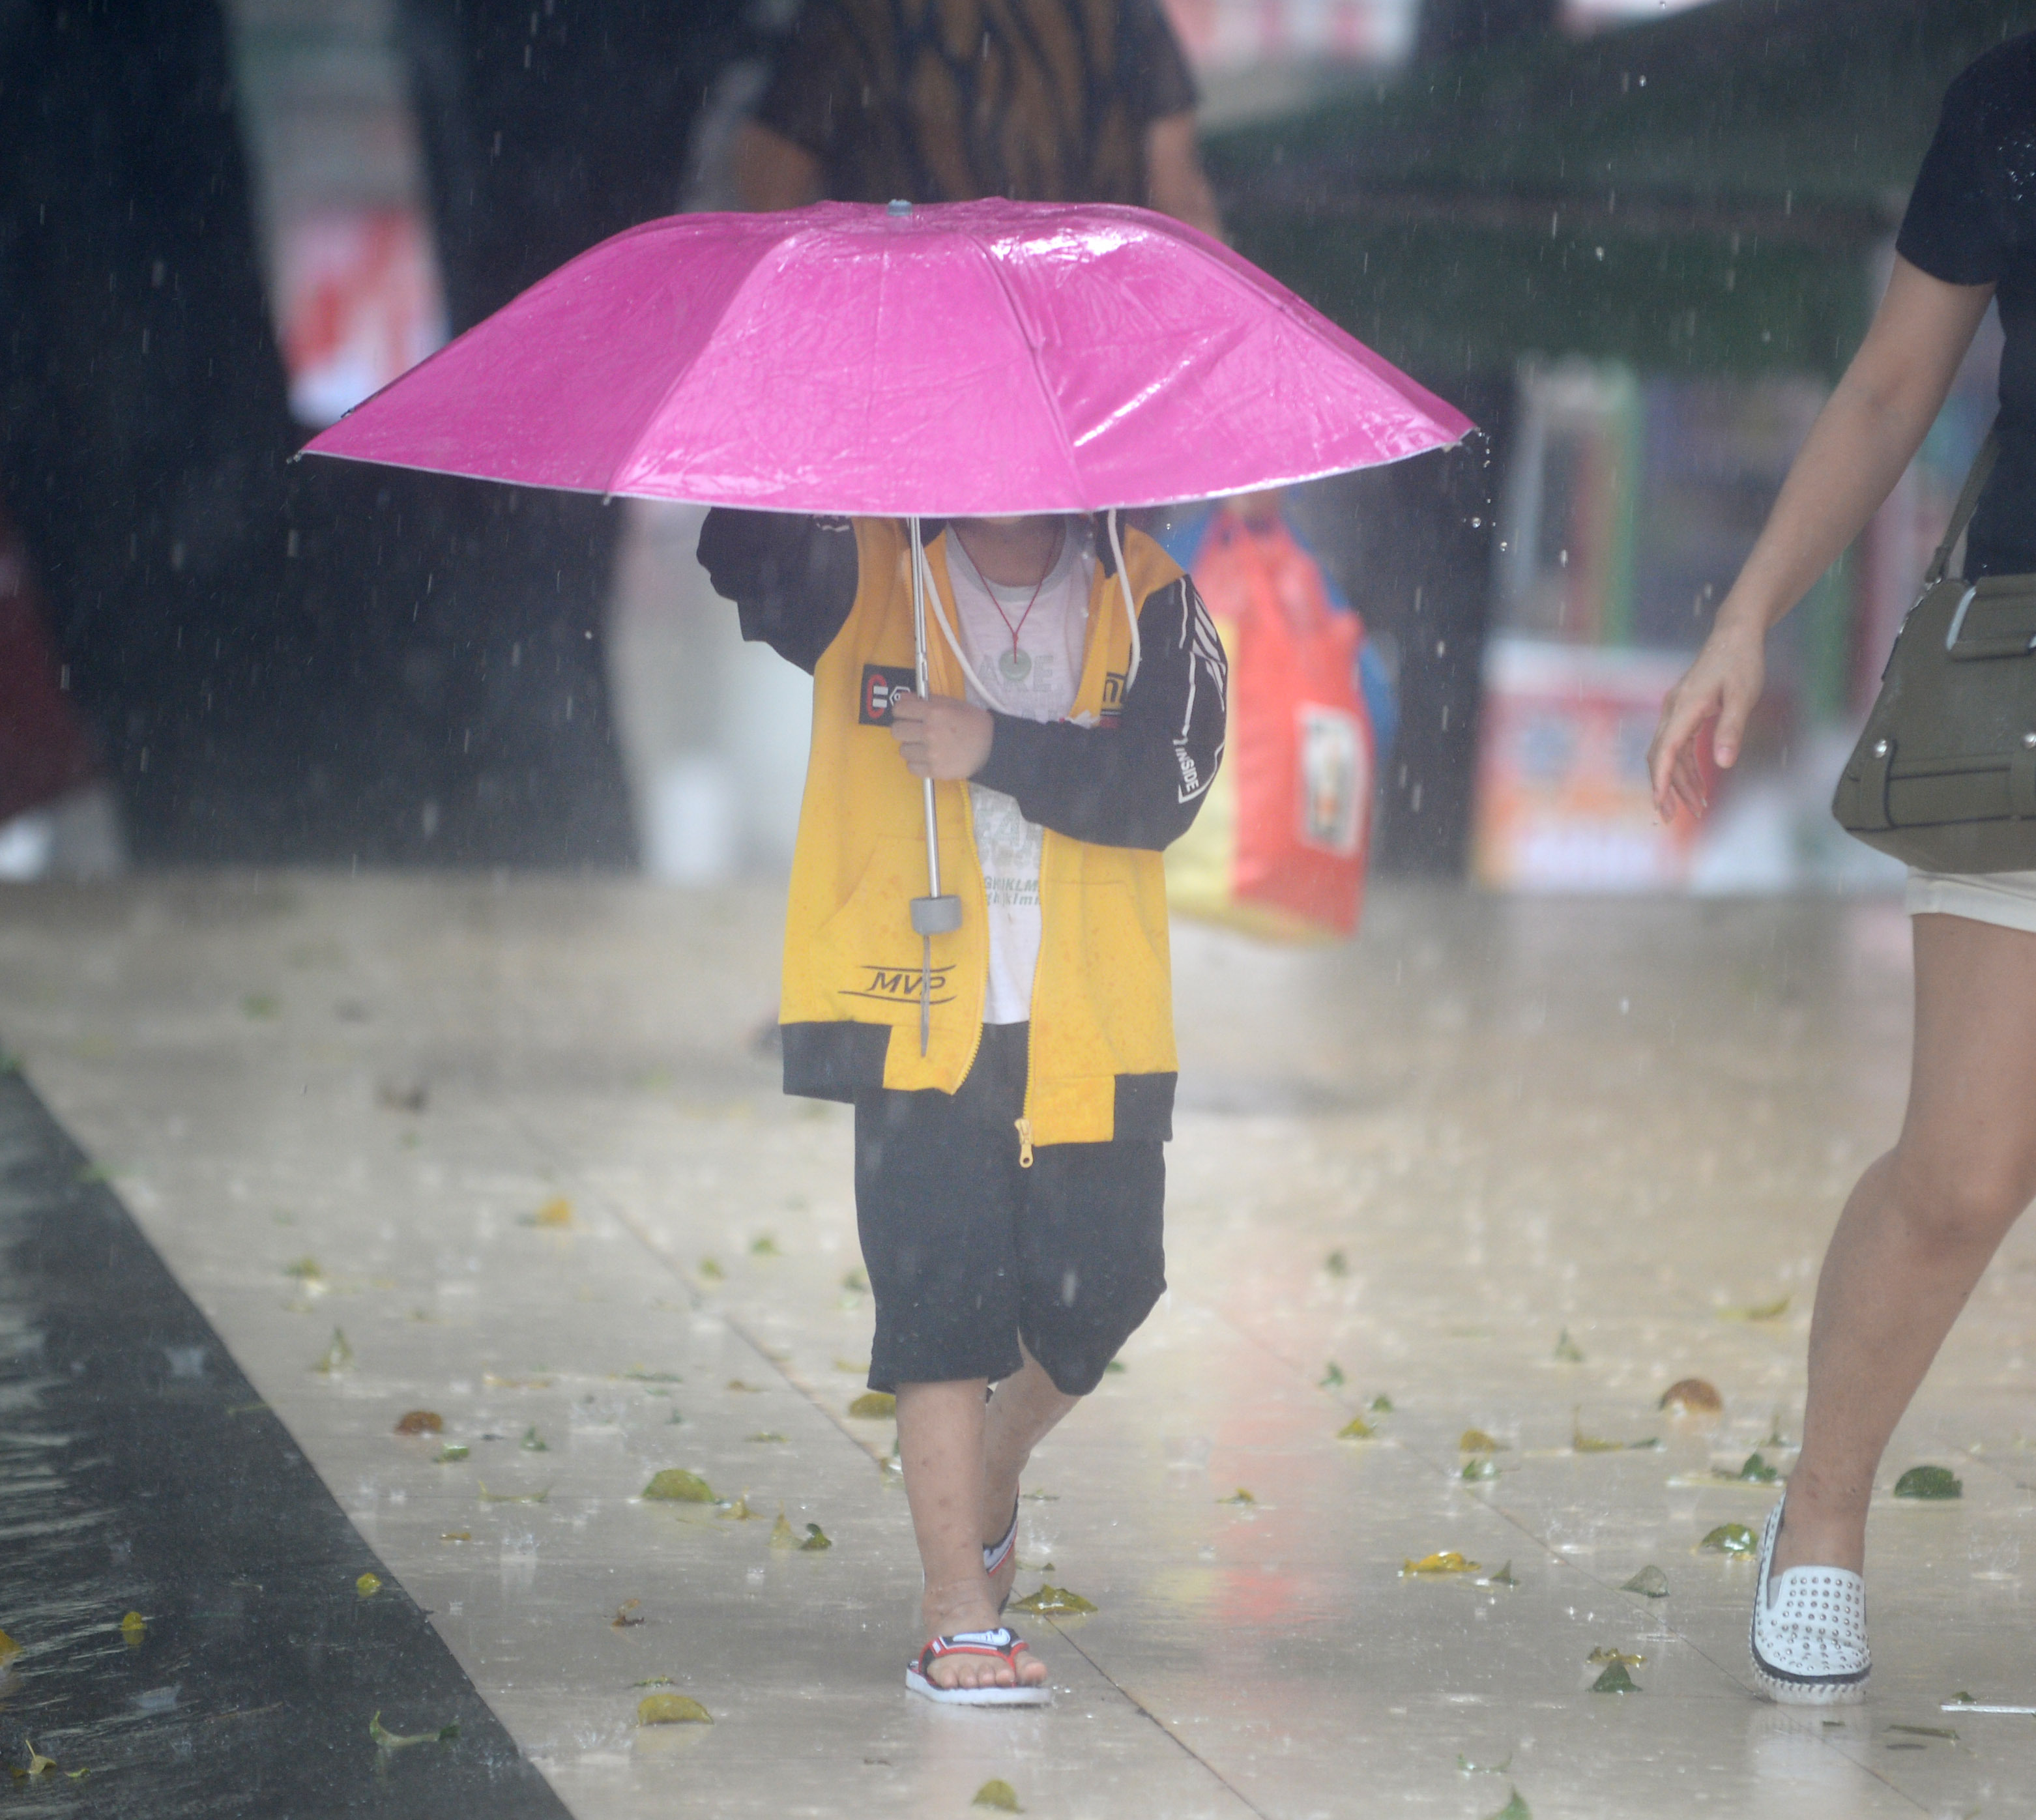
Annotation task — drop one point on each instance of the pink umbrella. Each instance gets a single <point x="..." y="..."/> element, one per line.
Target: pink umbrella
<point x="844" y="358"/>
<point x="962" y="360"/>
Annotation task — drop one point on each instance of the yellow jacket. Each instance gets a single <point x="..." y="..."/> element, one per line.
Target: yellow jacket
<point x="1124" y="774"/>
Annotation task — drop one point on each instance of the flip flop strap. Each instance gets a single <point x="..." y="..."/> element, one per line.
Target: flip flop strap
<point x="1002" y="1642"/>
<point x="994" y="1556"/>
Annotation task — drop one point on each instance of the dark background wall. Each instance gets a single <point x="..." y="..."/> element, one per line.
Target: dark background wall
<point x="312" y="663"/>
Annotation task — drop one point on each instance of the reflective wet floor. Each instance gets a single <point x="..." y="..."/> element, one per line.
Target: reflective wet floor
<point x="511" y="1156"/>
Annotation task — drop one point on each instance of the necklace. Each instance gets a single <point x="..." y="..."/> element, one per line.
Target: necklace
<point x="1014" y="665"/>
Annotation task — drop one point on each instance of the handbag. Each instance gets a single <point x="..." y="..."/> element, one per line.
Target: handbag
<point x="1280" y="847"/>
<point x="1944" y="775"/>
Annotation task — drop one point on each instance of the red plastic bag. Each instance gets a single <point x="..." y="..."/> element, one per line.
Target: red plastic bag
<point x="1281" y="844"/>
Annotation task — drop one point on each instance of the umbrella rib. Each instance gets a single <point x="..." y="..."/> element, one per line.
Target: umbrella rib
<point x="1038" y="372"/>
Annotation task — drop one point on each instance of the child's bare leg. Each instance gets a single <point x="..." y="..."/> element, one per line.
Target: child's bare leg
<point x="940" y="1443"/>
<point x="1024" y="1412"/>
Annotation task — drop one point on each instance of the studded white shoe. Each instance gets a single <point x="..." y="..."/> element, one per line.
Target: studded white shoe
<point x="1809" y="1645"/>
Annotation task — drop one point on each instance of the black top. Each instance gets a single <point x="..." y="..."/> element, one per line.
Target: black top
<point x="1972" y="220"/>
<point x="1037" y="100"/>
<point x="1136" y="781"/>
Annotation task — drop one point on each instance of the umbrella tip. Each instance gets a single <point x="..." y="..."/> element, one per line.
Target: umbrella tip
<point x="898" y="206"/>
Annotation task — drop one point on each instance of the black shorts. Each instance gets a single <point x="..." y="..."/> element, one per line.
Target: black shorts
<point x="968" y="1253"/>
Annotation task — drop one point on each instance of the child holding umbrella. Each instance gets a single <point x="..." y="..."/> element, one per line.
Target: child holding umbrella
<point x="1009" y="1171"/>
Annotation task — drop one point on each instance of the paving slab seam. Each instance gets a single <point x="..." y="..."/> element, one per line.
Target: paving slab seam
<point x="1165" y="1730"/>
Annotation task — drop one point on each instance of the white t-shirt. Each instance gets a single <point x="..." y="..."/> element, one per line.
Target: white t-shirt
<point x="1051" y="638"/>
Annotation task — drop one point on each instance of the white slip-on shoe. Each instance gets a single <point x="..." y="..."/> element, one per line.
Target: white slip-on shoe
<point x="1808" y="1643"/>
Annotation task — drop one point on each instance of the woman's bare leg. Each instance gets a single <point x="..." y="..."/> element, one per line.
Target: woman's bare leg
<point x="941" y="1446"/>
<point x="1920" y="1227"/>
<point x="1024" y="1412"/>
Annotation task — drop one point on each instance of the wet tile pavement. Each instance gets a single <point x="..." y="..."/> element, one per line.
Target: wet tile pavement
<point x="521" y="1144"/>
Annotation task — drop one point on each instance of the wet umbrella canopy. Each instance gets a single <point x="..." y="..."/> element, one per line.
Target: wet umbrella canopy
<point x="815" y="361"/>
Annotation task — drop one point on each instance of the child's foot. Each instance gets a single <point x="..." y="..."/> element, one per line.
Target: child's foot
<point x="1001" y="1649"/>
<point x="971" y="1667"/>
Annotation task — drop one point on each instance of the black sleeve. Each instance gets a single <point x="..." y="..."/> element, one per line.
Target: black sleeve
<point x="1139" y="783"/>
<point x="1959" y="224"/>
<point x="793" y="579"/>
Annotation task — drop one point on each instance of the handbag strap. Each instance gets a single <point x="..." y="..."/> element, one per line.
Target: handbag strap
<point x="1975" y="481"/>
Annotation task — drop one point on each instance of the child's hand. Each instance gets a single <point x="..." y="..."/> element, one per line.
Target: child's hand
<point x="939" y="737"/>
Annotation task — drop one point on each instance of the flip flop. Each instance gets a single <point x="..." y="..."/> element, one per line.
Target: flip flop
<point x="1002" y="1642"/>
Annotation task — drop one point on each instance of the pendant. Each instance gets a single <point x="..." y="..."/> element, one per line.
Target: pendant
<point x="1013" y="666"/>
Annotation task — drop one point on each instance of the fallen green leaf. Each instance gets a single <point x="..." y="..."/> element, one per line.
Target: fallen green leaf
<point x="1114" y="1366"/>
<point x="1760" y="1311"/>
<point x="1476" y="1441"/>
<point x="1332" y="1379"/>
<point x="1381" y="1405"/>
<point x="533" y="1442"/>
<point x="1582" y="1443"/>
<point x="337" y="1357"/>
<point x="1447" y="1561"/>
<point x="452" y="1453"/>
<point x="671" y="1709"/>
<point x="1239" y="1496"/>
<point x="1567" y="1349"/>
<point x="676" y="1484"/>
<point x="874" y="1406"/>
<point x="1356" y="1428"/>
<point x="1755" y="1471"/>
<point x="134" y="1630"/>
<point x="487" y="1497"/>
<point x="388" y="1740"/>
<point x="1928" y="1482"/>
<point x="1053" y="1602"/>
<point x="817" y="1541"/>
<point x="38" y="1765"/>
<point x="1730" y="1538"/>
<point x="1604" y="1652"/>
<point x="304" y="1270"/>
<point x="710" y="1271"/>
<point x="782" y="1534"/>
<point x="1650" y="1582"/>
<point x="1503" y="1577"/>
<point x="1965" y="1699"/>
<point x="739" y="1512"/>
<point x="556" y="1212"/>
<point x="999" y="1794"/>
<point x="1481" y="1466"/>
<point x="1614" y="1680"/>
<point x="366" y="1586"/>
<point x="766" y="1246"/>
<point x="1515" y="1809"/>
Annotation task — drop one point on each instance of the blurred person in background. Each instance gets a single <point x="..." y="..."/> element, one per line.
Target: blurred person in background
<point x="1925" y="1219"/>
<point x="1037" y="100"/>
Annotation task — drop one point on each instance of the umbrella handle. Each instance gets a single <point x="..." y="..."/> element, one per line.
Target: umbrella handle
<point x="933" y="915"/>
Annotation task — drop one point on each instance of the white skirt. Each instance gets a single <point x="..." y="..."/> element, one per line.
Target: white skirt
<point x="2008" y="899"/>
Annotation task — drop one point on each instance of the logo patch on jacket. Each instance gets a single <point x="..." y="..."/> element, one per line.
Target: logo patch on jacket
<point x="880" y="687"/>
